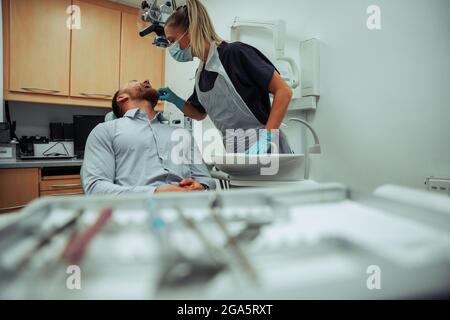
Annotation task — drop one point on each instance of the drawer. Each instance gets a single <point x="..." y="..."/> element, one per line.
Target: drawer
<point x="62" y="184"/>
<point x="67" y="192"/>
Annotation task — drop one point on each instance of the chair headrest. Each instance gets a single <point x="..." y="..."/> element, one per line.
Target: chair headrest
<point x="110" y="116"/>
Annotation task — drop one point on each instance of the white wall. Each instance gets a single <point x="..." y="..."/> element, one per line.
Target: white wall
<point x="384" y="113"/>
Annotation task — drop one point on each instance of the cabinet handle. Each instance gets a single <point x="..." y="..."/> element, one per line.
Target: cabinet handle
<point x="39" y="90"/>
<point x="63" y="186"/>
<point x="4" y="210"/>
<point x="67" y="194"/>
<point x="96" y="95"/>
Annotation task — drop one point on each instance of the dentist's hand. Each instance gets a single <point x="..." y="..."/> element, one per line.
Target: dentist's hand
<point x="168" y="95"/>
<point x="262" y="146"/>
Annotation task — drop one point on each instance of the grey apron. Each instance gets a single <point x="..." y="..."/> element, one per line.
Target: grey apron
<point x="228" y="111"/>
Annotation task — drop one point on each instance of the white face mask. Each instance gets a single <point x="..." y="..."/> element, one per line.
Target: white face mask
<point x="181" y="55"/>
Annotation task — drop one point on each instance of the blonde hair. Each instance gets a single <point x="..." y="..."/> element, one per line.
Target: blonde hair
<point x="195" y="18"/>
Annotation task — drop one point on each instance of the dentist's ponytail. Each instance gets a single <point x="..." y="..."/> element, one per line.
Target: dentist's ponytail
<point x="195" y="18"/>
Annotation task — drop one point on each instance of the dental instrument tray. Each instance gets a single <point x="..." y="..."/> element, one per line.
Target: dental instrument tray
<point x="319" y="242"/>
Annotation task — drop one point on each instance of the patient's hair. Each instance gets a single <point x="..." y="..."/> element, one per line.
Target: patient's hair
<point x="115" y="105"/>
<point x="151" y="96"/>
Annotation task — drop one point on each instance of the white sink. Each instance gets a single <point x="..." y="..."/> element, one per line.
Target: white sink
<point x="266" y="167"/>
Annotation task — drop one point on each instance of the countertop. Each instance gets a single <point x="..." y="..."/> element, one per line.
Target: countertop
<point x="17" y="163"/>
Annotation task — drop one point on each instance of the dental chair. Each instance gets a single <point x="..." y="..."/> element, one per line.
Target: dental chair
<point x="108" y="117"/>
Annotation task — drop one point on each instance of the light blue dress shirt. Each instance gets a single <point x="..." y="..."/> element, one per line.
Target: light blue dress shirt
<point x="134" y="155"/>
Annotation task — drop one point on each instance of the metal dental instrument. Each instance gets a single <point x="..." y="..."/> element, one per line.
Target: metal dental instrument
<point x="215" y="205"/>
<point x="16" y="260"/>
<point x="214" y="250"/>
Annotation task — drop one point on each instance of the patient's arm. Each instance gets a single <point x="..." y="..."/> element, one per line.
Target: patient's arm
<point x="199" y="170"/>
<point x="99" y="166"/>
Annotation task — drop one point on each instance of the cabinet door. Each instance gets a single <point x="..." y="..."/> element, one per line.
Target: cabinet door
<point x="140" y="59"/>
<point x="39" y="46"/>
<point x="18" y="187"/>
<point x="95" y="52"/>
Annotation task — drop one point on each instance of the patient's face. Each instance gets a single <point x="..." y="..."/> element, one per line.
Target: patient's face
<point x="141" y="90"/>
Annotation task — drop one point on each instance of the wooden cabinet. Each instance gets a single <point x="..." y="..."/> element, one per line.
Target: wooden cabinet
<point x="140" y="60"/>
<point x="96" y="52"/>
<point x="17" y="188"/>
<point x="46" y="62"/>
<point x="40" y="47"/>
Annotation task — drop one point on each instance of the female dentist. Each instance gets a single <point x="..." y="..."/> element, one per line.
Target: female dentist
<point x="232" y="84"/>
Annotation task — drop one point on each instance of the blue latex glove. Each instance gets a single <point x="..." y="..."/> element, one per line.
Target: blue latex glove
<point x="261" y="146"/>
<point x="167" y="95"/>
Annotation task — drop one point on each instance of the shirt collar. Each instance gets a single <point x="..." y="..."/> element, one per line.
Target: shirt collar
<point x="138" y="112"/>
<point x="131" y="113"/>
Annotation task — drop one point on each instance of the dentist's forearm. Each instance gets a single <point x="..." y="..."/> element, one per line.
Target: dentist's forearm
<point x="280" y="105"/>
<point x="282" y="97"/>
<point x="192" y="112"/>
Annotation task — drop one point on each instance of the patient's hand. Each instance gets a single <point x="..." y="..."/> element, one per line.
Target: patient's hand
<point x="191" y="185"/>
<point x="171" y="188"/>
<point x="184" y="186"/>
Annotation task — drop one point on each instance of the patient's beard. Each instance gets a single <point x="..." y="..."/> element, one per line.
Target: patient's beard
<point x="150" y="95"/>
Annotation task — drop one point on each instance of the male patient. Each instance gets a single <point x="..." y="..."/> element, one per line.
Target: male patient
<point x="133" y="154"/>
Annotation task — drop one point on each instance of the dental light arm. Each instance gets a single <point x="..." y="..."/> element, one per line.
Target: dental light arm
<point x="315" y="149"/>
<point x="158" y="29"/>
<point x="157" y="17"/>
